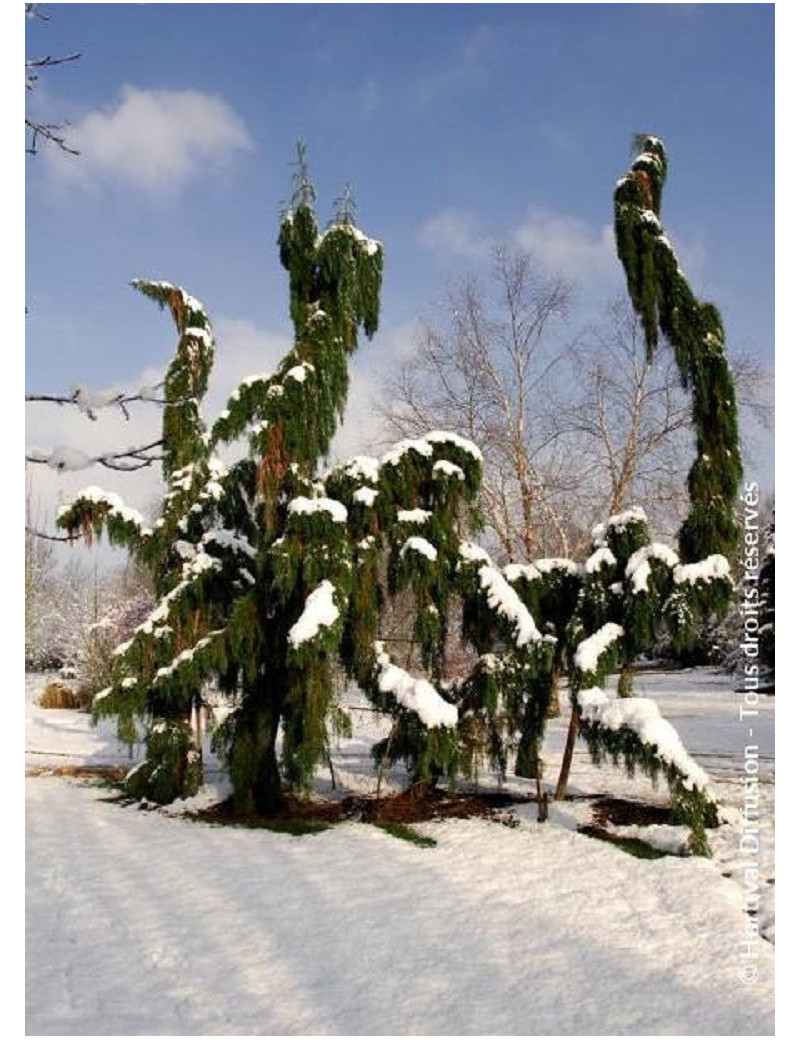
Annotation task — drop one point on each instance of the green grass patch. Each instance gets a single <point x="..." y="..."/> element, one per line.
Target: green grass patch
<point x="406" y="833"/>
<point x="633" y="846"/>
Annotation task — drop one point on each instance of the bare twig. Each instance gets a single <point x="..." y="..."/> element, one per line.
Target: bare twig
<point x="79" y="397"/>
<point x="64" y="459"/>
<point x="34" y="533"/>
<point x="51" y="132"/>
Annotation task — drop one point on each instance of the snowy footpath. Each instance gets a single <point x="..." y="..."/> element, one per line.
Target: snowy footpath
<point x="148" y="923"/>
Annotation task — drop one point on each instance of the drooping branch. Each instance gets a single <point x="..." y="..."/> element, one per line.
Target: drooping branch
<point x="664" y="300"/>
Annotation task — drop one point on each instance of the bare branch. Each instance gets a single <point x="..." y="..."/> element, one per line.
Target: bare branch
<point x="51" y="132"/>
<point x="91" y="402"/>
<point x="32" y="532"/>
<point x="70" y="459"/>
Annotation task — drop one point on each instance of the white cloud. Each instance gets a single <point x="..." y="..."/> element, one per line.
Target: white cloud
<point x="455" y="232"/>
<point x="561" y="244"/>
<point x="153" y="139"/>
<point x="567" y="246"/>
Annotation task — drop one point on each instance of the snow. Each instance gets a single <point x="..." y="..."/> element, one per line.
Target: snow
<point x="589" y="651"/>
<point x="446" y="437"/>
<point x="320" y="611"/>
<point x="642" y="717"/>
<point x="365" y="496"/>
<point x="514" y="571"/>
<point x="197" y="332"/>
<point x="371" y="245"/>
<point x="502" y="598"/>
<point x="423" y="446"/>
<point x="362" y="467"/>
<point x="638" y="568"/>
<point x="443" y="468"/>
<point x="398" y="451"/>
<point x="307" y="506"/>
<point x="300" y="372"/>
<point x="617" y="522"/>
<point x="114" y="504"/>
<point x="142" y="923"/>
<point x="713" y="568"/>
<point x="90" y="401"/>
<point x="199" y="564"/>
<point x="556" y="563"/>
<point x="419" y="545"/>
<point x="470" y="552"/>
<point x="599" y="558"/>
<point x="647" y="216"/>
<point x="228" y="539"/>
<point x="413" y="516"/>
<point x="417" y="695"/>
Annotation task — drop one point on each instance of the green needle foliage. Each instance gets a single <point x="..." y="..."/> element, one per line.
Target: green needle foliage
<point x="173" y="766"/>
<point x="254" y="562"/>
<point x="664" y="300"/>
<point x="273" y="572"/>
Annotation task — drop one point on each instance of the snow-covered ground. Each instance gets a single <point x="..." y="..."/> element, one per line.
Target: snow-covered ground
<point x="147" y="923"/>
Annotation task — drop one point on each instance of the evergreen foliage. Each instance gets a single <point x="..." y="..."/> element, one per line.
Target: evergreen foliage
<point x="190" y="472"/>
<point x="254" y="565"/>
<point x="605" y="612"/>
<point x="663" y="298"/>
<point x="409" y="513"/>
<point x="272" y="572"/>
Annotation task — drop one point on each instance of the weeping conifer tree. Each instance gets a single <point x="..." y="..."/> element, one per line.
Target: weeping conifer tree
<point x="262" y="565"/>
<point x="410" y="514"/>
<point x="173" y="766"/>
<point x="663" y="299"/>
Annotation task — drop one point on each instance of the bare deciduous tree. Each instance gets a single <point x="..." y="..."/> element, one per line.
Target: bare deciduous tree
<point x="37" y="130"/>
<point x="634" y="419"/>
<point x="572" y="431"/>
<point x="488" y="372"/>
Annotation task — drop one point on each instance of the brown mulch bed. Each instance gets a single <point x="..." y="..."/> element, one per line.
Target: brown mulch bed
<point x="103" y="772"/>
<point x="621" y="811"/>
<point x="413" y="807"/>
<point x="407" y="807"/>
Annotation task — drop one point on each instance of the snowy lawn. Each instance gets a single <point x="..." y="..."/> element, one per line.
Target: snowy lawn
<point x="146" y="923"/>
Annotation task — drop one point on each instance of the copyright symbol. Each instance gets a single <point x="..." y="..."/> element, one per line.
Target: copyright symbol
<point x="749" y="974"/>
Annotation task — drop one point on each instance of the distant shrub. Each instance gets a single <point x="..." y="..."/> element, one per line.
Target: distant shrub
<point x="58" y="695"/>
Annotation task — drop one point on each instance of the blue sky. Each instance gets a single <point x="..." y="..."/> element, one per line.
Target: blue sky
<point x="458" y="126"/>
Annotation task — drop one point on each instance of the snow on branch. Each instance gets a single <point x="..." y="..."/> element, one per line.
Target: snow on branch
<point x="500" y="596"/>
<point x="641" y="716"/>
<point x="91" y="401"/>
<point x="591" y="651"/>
<point x="64" y="459"/>
<point x="320" y="612"/>
<point x="713" y="568"/>
<point x="92" y="507"/>
<point x="416" y="695"/>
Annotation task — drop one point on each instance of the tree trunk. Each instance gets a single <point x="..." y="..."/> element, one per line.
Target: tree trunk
<point x="554" y="705"/>
<point x="566" y="762"/>
<point x="625" y="681"/>
<point x="255" y="772"/>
